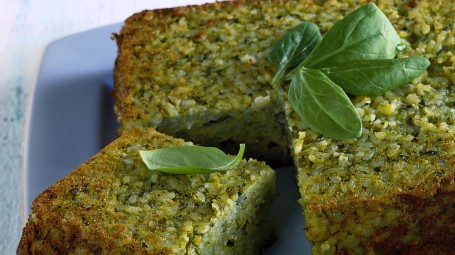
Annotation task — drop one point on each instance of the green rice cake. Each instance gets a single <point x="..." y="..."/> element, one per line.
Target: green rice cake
<point x="113" y="204"/>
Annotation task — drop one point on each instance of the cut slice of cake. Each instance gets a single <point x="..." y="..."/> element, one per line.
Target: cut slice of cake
<point x="202" y="72"/>
<point x="113" y="204"/>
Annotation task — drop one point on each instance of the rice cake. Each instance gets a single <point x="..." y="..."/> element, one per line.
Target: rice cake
<point x="113" y="204"/>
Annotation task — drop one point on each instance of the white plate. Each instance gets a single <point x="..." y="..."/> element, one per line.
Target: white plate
<point x="71" y="118"/>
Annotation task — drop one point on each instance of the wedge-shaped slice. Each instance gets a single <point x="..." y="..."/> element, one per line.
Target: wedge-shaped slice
<point x="113" y="204"/>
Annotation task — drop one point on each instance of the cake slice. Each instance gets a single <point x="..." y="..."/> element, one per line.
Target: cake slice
<point x="113" y="204"/>
<point x="202" y="72"/>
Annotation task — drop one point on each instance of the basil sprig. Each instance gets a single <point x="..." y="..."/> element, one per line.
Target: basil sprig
<point x="356" y="56"/>
<point x="190" y="159"/>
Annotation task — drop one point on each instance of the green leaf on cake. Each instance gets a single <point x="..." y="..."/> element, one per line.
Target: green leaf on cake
<point x="374" y="77"/>
<point x="190" y="159"/>
<point x="293" y="48"/>
<point x="323" y="106"/>
<point x="356" y="56"/>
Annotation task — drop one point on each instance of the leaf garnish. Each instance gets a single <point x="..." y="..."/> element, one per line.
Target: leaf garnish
<point x="190" y="159"/>
<point x="323" y="105"/>
<point x="374" y="77"/>
<point x="356" y="56"/>
<point x="293" y="48"/>
<point x="365" y="33"/>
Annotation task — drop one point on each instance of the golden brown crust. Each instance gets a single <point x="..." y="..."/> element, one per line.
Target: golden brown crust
<point x="49" y="230"/>
<point x="424" y="224"/>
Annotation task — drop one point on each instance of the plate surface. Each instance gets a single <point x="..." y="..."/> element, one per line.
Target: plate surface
<point x="71" y="118"/>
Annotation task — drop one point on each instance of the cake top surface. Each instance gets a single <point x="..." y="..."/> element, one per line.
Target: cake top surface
<point x="407" y="133"/>
<point x="180" y="62"/>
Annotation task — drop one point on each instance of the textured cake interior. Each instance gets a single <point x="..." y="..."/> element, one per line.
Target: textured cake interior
<point x="202" y="73"/>
<point x="113" y="204"/>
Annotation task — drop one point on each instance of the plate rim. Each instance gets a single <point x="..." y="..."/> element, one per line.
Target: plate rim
<point x="31" y="101"/>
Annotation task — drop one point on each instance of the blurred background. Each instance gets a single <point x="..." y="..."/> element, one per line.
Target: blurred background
<point x="26" y="28"/>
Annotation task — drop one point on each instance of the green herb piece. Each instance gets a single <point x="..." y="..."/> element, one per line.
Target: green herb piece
<point x="293" y="48"/>
<point x="374" y="77"/>
<point x="356" y="56"/>
<point x="323" y="106"/>
<point x="365" y="33"/>
<point x="190" y="159"/>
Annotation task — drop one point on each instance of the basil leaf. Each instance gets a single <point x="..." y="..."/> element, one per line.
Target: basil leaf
<point x="293" y="48"/>
<point x="365" y="33"/>
<point x="374" y="77"/>
<point x="190" y="159"/>
<point x="323" y="106"/>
